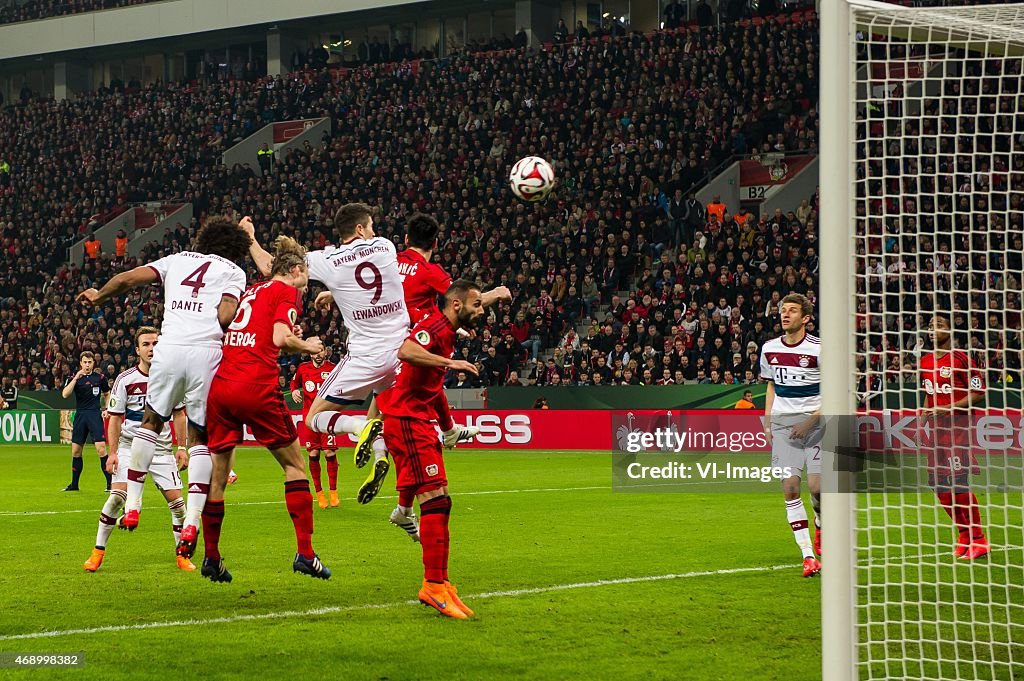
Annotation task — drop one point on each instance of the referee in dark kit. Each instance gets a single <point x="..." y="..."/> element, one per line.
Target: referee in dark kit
<point x="91" y="392"/>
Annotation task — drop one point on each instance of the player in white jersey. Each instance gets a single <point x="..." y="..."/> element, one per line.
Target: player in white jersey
<point x="201" y="292"/>
<point x="364" y="281"/>
<point x="126" y="405"/>
<point x="792" y="424"/>
<point x="362" y="276"/>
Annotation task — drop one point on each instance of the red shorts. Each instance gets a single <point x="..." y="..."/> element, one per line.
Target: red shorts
<point x="947" y="444"/>
<point x="416" y="449"/>
<point x="316" y="441"/>
<point x="233" y="404"/>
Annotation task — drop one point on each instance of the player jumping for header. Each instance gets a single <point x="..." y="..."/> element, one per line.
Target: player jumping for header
<point x="410" y="408"/>
<point x="201" y="291"/>
<point x="245" y="392"/>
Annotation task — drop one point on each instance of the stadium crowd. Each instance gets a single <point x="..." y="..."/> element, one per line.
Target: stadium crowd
<point x="954" y="241"/>
<point x="631" y="124"/>
<point x="12" y="11"/>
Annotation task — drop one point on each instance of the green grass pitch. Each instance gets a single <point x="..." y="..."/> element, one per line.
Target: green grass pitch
<point x="568" y="579"/>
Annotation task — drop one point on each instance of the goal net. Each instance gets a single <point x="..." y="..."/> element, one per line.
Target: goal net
<point x="928" y="132"/>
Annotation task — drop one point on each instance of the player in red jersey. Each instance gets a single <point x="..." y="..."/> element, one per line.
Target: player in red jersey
<point x="305" y="385"/>
<point x="952" y="385"/>
<point x="410" y="407"/>
<point x="423" y="281"/>
<point x="245" y="391"/>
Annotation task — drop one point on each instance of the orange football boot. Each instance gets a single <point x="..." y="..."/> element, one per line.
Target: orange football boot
<point x="437" y="597"/>
<point x="95" y="560"/>
<point x="454" y="595"/>
<point x="811" y="567"/>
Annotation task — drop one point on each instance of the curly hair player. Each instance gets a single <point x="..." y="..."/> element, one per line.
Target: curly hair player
<point x="201" y="291"/>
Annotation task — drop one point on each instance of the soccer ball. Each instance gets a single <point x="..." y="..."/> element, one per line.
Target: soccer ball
<point x="532" y="178"/>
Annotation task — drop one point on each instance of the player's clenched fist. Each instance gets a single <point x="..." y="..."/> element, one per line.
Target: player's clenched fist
<point x="88" y="296"/>
<point x="314" y="346"/>
<point x="245" y="224"/>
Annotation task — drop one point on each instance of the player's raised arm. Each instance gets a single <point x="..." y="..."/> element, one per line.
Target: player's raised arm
<point x="414" y="353"/>
<point x="496" y="295"/>
<point x="264" y="260"/>
<point x="120" y="283"/>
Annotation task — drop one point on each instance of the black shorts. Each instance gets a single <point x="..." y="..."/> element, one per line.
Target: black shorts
<point x="87" y="424"/>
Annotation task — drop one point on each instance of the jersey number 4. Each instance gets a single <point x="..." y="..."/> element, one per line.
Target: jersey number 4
<point x="195" y="280"/>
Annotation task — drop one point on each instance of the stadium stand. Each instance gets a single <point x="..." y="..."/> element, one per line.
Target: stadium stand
<point x="631" y="124"/>
<point x="12" y="11"/>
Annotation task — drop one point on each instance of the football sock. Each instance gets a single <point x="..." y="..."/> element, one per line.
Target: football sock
<point x="405" y="500"/>
<point x="200" y="469"/>
<point x="332" y="473"/>
<point x="965" y="505"/>
<point x="213" y="518"/>
<point x="299" y="501"/>
<point x="379" y="449"/>
<point x="334" y="422"/>
<point x="76" y="470"/>
<point x="434" y="514"/>
<point x="796" y="514"/>
<point x="314" y="472"/>
<point x="946" y="500"/>
<point x="816" y="505"/>
<point x="177" y="508"/>
<point x="103" y="467"/>
<point x="108" y="516"/>
<point x="143" y="449"/>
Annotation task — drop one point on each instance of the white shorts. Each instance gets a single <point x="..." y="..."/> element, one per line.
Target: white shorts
<point x="356" y="377"/>
<point x="163" y="471"/>
<point x="796" y="455"/>
<point x="182" y="374"/>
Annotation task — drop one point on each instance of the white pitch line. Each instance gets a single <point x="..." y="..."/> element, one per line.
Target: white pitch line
<point x="281" y="501"/>
<point x="902" y="560"/>
<point x="378" y="606"/>
<point x="25" y="514"/>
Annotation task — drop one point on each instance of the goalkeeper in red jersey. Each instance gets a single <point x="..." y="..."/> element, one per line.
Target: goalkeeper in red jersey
<point x="410" y="408"/>
<point x="952" y="386"/>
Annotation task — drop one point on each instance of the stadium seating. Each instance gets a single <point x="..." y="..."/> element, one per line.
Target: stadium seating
<point x="12" y="11"/>
<point x="626" y="122"/>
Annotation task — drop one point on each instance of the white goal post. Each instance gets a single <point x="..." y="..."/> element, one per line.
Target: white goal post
<point x="922" y="212"/>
